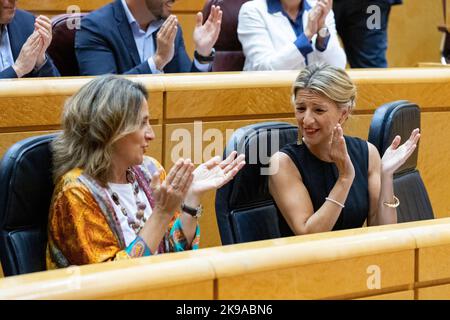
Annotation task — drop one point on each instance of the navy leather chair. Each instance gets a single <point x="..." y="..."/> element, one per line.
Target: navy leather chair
<point x="26" y="188"/>
<point x="400" y="118"/>
<point x="244" y="208"/>
<point x="229" y="54"/>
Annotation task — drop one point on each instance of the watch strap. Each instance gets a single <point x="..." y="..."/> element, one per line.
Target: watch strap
<point x="195" y="212"/>
<point x="203" y="59"/>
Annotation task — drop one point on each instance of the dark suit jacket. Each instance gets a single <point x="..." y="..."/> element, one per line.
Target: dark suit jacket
<point x="20" y="28"/>
<point x="105" y="44"/>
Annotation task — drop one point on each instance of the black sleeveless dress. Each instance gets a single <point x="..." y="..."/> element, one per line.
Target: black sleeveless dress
<point x="319" y="177"/>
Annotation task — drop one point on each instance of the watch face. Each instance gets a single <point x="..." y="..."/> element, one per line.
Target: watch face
<point x="323" y="32"/>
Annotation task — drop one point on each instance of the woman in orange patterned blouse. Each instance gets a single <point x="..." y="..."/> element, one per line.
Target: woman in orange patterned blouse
<point x="111" y="201"/>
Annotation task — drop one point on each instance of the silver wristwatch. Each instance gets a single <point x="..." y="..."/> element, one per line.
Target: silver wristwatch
<point x="323" y="32"/>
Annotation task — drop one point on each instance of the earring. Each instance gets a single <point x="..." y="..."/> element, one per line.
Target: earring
<point x="299" y="137"/>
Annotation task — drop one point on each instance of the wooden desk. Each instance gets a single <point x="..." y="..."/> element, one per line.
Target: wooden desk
<point x="366" y="263"/>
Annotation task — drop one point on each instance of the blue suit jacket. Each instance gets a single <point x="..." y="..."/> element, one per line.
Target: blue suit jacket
<point x="20" y="28"/>
<point x="105" y="44"/>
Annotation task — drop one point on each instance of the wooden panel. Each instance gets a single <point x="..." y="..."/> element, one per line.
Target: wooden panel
<point x="269" y="92"/>
<point x="425" y="95"/>
<point x="411" y="25"/>
<point x="433" y="243"/>
<point x="434" y="262"/>
<point x="187" y="23"/>
<point x="189" y="5"/>
<point x="338" y="279"/>
<point x="60" y="5"/>
<point x="358" y="125"/>
<point x="155" y="147"/>
<point x="434" y="157"/>
<point x="8" y="139"/>
<point x="28" y="102"/>
<point x="155" y="103"/>
<point x="401" y="295"/>
<point x="89" y="5"/>
<point x="345" y="267"/>
<point x="146" y="278"/>
<point x="31" y="111"/>
<point x="190" y="291"/>
<point x="441" y="292"/>
<point x="228" y="102"/>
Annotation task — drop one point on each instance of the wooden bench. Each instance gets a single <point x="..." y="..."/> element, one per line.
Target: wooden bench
<point x="404" y="261"/>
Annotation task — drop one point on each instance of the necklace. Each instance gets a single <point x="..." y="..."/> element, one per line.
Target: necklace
<point x="136" y="223"/>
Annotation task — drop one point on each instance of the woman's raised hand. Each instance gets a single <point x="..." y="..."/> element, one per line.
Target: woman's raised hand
<point x="339" y="154"/>
<point x="170" y="193"/>
<point x="214" y="173"/>
<point x="396" y="155"/>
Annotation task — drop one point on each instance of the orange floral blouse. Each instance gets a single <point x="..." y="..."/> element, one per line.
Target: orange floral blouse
<point x="83" y="227"/>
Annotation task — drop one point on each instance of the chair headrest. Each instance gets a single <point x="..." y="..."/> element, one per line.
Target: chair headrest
<point x="62" y="48"/>
<point x="228" y="39"/>
<point x="258" y="142"/>
<point x="26" y="184"/>
<point x="391" y="119"/>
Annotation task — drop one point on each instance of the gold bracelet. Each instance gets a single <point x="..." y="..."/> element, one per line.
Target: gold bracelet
<point x="392" y="205"/>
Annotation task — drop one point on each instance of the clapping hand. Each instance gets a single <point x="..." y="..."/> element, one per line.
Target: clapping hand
<point x="33" y="51"/>
<point x="325" y="6"/>
<point x="396" y="155"/>
<point x="43" y="26"/>
<point x="28" y="54"/>
<point x="312" y="25"/>
<point x="165" y="39"/>
<point x="317" y="16"/>
<point x="205" y="35"/>
<point x="170" y="193"/>
<point x="214" y="173"/>
<point x="339" y="154"/>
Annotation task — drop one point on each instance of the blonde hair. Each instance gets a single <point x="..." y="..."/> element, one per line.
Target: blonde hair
<point x="329" y="81"/>
<point x="101" y="112"/>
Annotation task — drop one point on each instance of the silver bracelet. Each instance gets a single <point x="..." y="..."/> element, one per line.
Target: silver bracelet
<point x="335" y="202"/>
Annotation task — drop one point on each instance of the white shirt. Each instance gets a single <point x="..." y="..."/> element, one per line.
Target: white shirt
<point x="268" y="40"/>
<point x="128" y="201"/>
<point x="6" y="56"/>
<point x="145" y="44"/>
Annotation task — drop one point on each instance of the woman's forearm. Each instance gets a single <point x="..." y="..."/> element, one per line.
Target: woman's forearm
<point x="188" y="222"/>
<point x="386" y="214"/>
<point x="325" y="218"/>
<point x="154" y="229"/>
